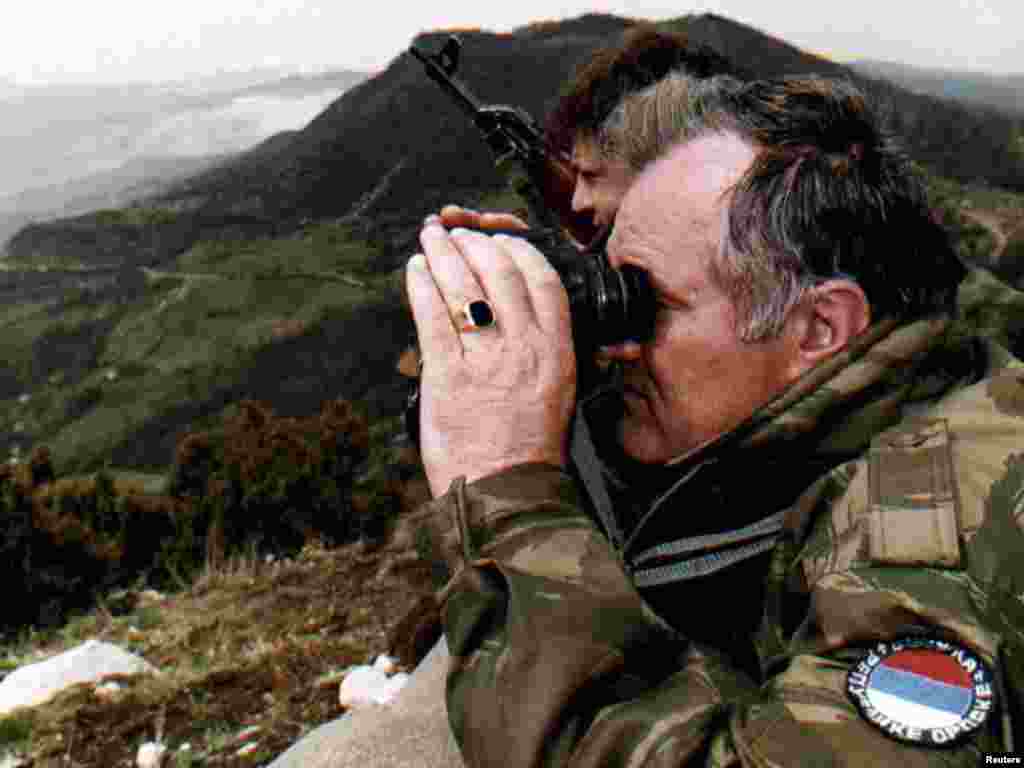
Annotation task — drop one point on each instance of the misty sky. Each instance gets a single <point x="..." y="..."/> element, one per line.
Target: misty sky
<point x="128" y="40"/>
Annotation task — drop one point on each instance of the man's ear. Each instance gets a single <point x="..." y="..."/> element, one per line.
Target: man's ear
<point x="827" y="319"/>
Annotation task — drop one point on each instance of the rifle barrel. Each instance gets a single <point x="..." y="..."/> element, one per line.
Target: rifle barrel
<point x="465" y="99"/>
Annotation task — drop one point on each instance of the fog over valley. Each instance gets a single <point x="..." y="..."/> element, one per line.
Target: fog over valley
<point x="69" y="148"/>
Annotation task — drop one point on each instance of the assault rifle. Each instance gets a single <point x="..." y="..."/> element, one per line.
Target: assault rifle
<point x="541" y="175"/>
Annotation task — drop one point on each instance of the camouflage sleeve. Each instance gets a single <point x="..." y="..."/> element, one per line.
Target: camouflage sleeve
<point x="545" y="629"/>
<point x="556" y="660"/>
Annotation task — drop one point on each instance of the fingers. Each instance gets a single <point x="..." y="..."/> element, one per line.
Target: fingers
<point x="547" y="296"/>
<point x="502" y="221"/>
<point x="525" y="291"/>
<point x="505" y="283"/>
<point x="437" y="337"/>
<point x="454" y="278"/>
<point x="454" y="216"/>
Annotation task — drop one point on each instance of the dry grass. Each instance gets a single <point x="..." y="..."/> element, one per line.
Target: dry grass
<point x="237" y="571"/>
<point x="251" y="643"/>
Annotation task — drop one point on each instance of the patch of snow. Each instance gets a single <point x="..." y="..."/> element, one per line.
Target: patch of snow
<point x="150" y="755"/>
<point x="365" y="685"/>
<point x="89" y="662"/>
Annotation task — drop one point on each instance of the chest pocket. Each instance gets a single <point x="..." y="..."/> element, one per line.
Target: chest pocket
<point x="914" y="508"/>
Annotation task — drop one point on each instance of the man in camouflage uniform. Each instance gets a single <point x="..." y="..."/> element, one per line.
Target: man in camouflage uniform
<point x="811" y="458"/>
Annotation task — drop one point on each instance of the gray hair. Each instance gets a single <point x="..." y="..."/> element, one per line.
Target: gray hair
<point x="828" y="194"/>
<point x="647" y="123"/>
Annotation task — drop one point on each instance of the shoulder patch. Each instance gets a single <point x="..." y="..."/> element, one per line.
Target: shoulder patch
<point x="923" y="691"/>
<point x="914" y="501"/>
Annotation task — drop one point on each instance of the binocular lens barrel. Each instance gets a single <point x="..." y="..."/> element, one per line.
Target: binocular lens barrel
<point x="608" y="306"/>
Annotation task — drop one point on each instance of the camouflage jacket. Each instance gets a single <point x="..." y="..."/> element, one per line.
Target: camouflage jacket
<point x="880" y="498"/>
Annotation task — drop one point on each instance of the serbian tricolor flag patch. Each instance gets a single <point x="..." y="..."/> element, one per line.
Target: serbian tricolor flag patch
<point x="923" y="691"/>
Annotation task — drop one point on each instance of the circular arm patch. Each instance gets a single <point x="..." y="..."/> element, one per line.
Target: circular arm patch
<point x="923" y="691"/>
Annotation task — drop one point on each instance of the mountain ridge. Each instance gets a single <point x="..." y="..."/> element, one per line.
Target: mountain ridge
<point x="398" y="125"/>
<point x="1002" y="92"/>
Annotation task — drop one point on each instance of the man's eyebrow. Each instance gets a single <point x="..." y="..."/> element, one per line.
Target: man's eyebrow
<point x="683" y="294"/>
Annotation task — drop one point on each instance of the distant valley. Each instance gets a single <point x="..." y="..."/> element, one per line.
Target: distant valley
<point x="69" y="149"/>
<point x="137" y="178"/>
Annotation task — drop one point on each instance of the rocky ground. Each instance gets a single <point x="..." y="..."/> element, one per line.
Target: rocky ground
<point x="251" y="658"/>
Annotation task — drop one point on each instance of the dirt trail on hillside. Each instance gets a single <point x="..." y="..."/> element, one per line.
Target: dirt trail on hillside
<point x="156" y="274"/>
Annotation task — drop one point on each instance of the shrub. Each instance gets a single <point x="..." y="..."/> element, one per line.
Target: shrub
<point x="66" y="540"/>
<point x="15" y="731"/>
<point x="273" y="482"/>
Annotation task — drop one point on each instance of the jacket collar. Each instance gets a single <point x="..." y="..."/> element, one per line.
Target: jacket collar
<point x="826" y="417"/>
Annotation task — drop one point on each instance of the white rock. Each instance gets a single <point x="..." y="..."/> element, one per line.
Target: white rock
<point x="150" y="755"/>
<point x="111" y="375"/>
<point x="366" y="685"/>
<point x="386" y="664"/>
<point x="90" y="662"/>
<point x="24" y="398"/>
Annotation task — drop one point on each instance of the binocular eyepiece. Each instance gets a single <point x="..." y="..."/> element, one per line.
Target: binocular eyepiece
<point x="607" y="306"/>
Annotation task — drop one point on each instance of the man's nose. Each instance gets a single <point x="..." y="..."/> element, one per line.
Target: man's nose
<point x="627" y="351"/>
<point x="581" y="200"/>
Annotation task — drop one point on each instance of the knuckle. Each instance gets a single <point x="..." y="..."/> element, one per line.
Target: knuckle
<point x="504" y="270"/>
<point x="548" y="279"/>
<point x="553" y="293"/>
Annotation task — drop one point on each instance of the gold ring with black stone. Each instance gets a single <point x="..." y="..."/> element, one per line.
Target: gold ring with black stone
<point x="474" y="316"/>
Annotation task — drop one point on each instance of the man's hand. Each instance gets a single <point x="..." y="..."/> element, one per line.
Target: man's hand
<point x="453" y="216"/>
<point x="494" y="397"/>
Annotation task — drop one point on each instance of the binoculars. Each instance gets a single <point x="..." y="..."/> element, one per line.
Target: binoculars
<point x="607" y="306"/>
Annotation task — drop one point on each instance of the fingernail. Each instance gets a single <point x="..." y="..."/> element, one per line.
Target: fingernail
<point x="432" y="218"/>
<point x="418" y="261"/>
